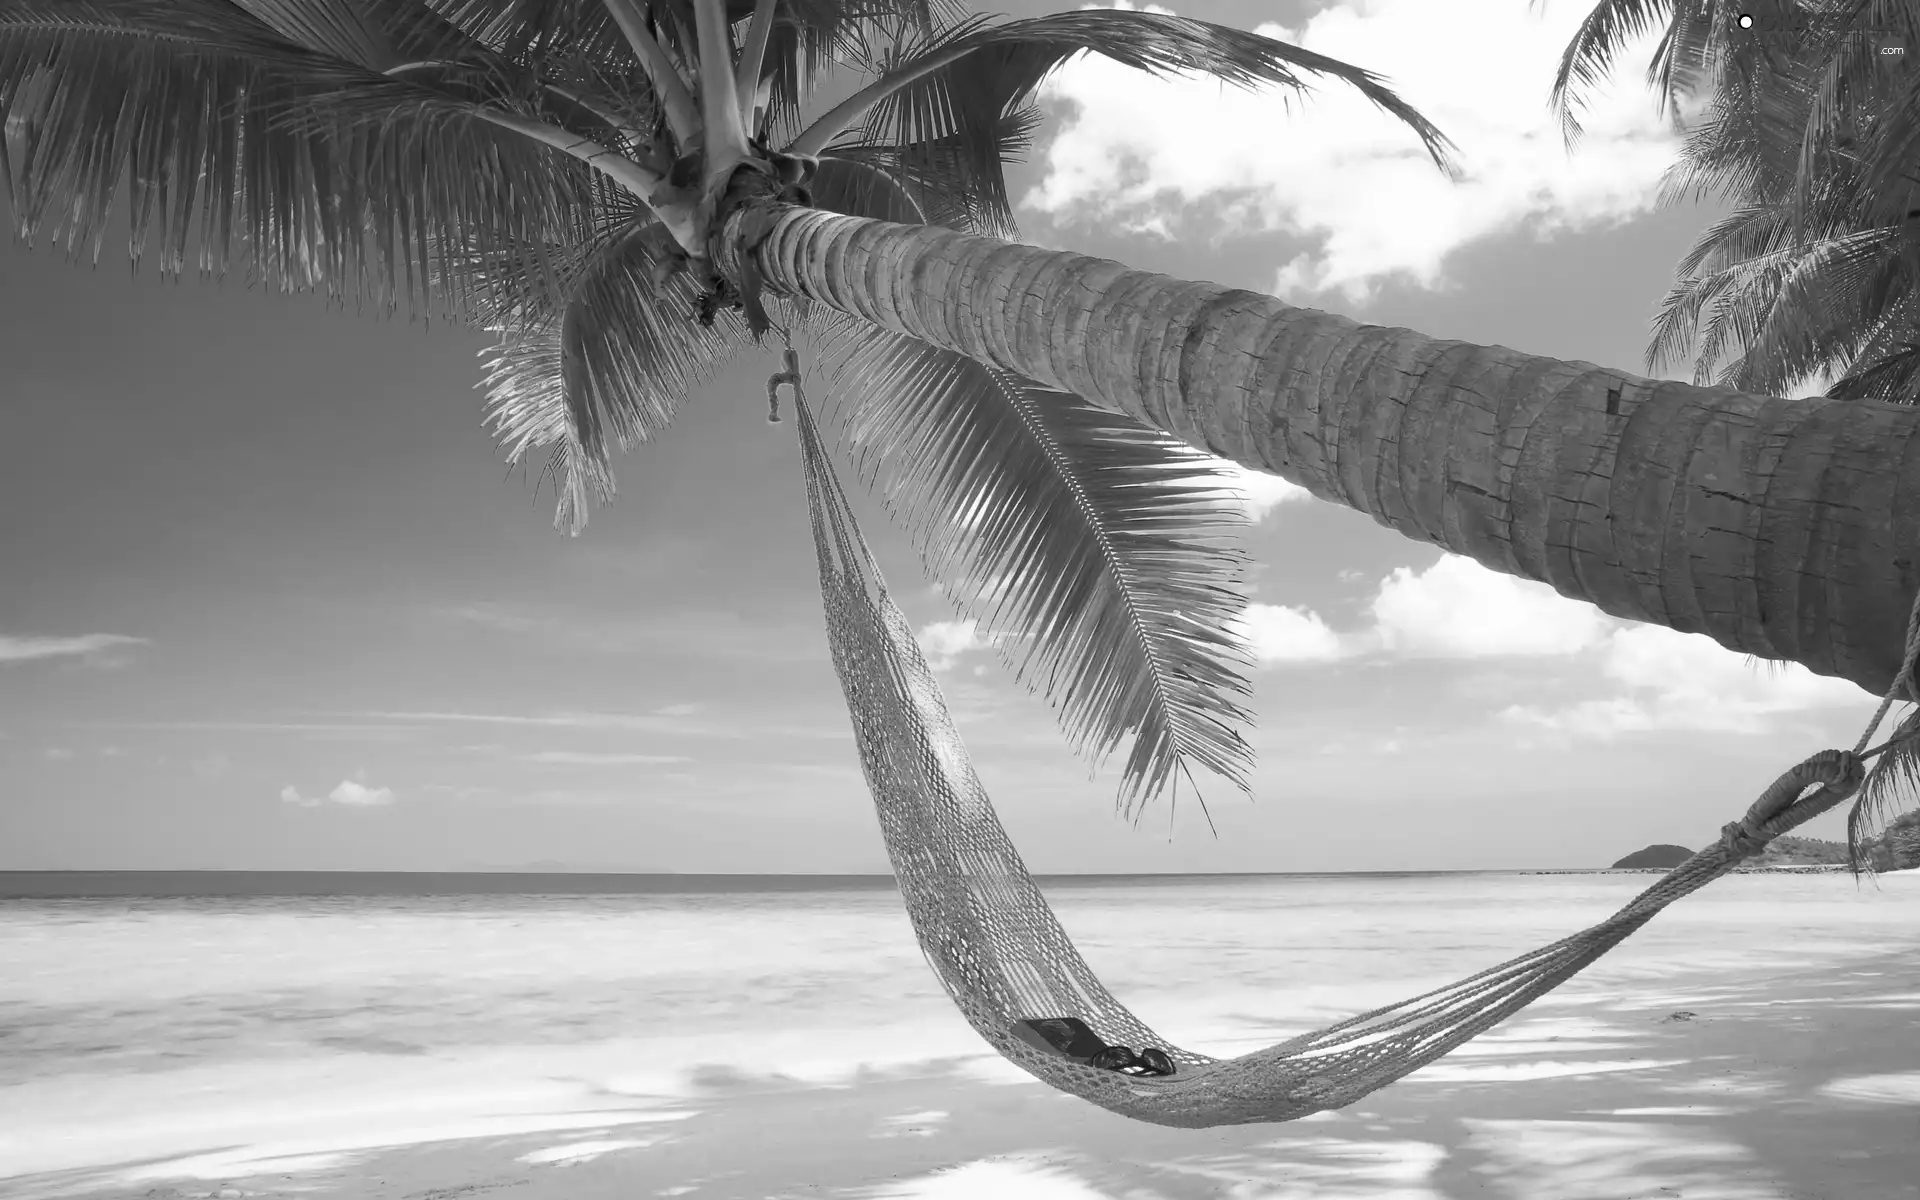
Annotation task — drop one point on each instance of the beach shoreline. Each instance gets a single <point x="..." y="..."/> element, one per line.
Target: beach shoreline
<point x="1789" y="1094"/>
<point x="1775" y="1063"/>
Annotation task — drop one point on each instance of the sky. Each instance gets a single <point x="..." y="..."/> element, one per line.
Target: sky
<point x="269" y="599"/>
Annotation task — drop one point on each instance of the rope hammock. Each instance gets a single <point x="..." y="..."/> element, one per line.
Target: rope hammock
<point x="1002" y="956"/>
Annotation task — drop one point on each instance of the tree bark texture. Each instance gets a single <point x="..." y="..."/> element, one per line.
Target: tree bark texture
<point x="1780" y="528"/>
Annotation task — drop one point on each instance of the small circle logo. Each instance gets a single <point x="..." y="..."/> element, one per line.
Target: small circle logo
<point x="1746" y="21"/>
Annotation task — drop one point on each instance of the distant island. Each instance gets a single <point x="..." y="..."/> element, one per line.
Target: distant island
<point x="1897" y="849"/>
<point x="1663" y="856"/>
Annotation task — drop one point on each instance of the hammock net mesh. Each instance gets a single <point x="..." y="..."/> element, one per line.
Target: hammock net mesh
<point x="1003" y="957"/>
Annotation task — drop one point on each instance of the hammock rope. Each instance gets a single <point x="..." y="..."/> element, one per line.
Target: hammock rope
<point x="1005" y="960"/>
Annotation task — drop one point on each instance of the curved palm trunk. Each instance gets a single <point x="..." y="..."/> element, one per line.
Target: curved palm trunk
<point x="1780" y="528"/>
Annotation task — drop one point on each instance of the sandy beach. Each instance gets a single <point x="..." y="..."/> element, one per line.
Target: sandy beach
<point x="1792" y="1083"/>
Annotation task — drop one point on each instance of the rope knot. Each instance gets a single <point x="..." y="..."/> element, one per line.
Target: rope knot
<point x="1742" y="841"/>
<point x="1837" y="774"/>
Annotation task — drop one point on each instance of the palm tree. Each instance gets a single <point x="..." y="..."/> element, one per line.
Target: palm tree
<point x="553" y="170"/>
<point x="1804" y="124"/>
<point x="1775" y="526"/>
<point x="596" y="179"/>
<point x="1805" y="129"/>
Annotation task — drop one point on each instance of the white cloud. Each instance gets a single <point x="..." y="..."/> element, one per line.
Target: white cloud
<point x="1649" y="677"/>
<point x="671" y="719"/>
<point x="1459" y="609"/>
<point x="943" y="642"/>
<point x="1277" y="633"/>
<point x="1688" y="681"/>
<point x="58" y="754"/>
<point x="351" y="793"/>
<point x="1146" y="154"/>
<point x="89" y="645"/>
<point x="1260" y="493"/>
<point x="360" y="795"/>
<point x="585" y="759"/>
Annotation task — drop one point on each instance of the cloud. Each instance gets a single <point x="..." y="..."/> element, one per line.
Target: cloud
<point x="58" y="754"/>
<point x="350" y="793"/>
<point x="716" y="632"/>
<point x="1459" y="609"/>
<point x="1278" y="633"/>
<point x="1649" y="677"/>
<point x="662" y="720"/>
<point x="943" y="642"/>
<point x="1162" y="156"/>
<point x="1260" y="493"/>
<point x="91" y="646"/>
<point x="581" y="759"/>
<point x="1687" y="681"/>
<point x="360" y="795"/>
<point x="358" y="729"/>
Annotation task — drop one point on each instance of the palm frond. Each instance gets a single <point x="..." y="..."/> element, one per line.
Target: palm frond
<point x="1887" y="365"/>
<point x="340" y="28"/>
<point x="1678" y="323"/>
<point x="1694" y="44"/>
<point x="607" y="366"/>
<point x="1812" y="139"/>
<point x="1588" y="60"/>
<point x="813" y="37"/>
<point x="526" y="398"/>
<point x="1792" y="311"/>
<point x="543" y="30"/>
<point x="936" y="173"/>
<point x="1090" y="547"/>
<point x="1812" y="318"/>
<point x="229" y="136"/>
<point x="960" y="82"/>
<point x="1891" y="787"/>
<point x="864" y="189"/>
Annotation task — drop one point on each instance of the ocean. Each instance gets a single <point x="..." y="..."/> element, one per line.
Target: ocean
<point x="154" y="1025"/>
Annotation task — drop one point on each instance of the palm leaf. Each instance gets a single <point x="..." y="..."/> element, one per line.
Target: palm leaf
<point x="538" y="30"/>
<point x="1089" y="546"/>
<point x="607" y="365"/>
<point x="845" y="184"/>
<point x="960" y="83"/>
<point x="1887" y="368"/>
<point x="1811" y="139"/>
<point x="936" y="173"/>
<point x="230" y="136"/>
<point x="1890" y="787"/>
<point x="343" y="29"/>
<point x="1588" y="60"/>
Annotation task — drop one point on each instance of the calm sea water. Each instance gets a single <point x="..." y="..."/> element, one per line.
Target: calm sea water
<point x="139" y="1026"/>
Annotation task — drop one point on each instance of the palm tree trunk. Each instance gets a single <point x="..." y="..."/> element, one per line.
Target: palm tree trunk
<point x="1781" y="528"/>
